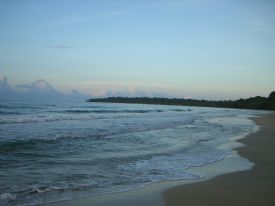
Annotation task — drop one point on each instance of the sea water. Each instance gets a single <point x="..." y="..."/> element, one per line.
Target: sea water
<point x="57" y="151"/>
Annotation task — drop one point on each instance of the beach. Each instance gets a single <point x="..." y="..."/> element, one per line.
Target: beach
<point x="246" y="187"/>
<point x="251" y="187"/>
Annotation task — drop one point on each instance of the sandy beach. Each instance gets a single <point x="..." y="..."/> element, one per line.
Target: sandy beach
<point x="251" y="187"/>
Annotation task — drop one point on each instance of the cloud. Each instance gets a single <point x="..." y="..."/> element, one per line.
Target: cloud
<point x="57" y="46"/>
<point x="39" y="85"/>
<point x="40" y="90"/>
<point x="125" y="88"/>
<point x="131" y="91"/>
<point x="125" y="93"/>
<point x="3" y="79"/>
<point x="6" y="91"/>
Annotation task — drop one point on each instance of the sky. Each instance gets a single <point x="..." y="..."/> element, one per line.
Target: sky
<point x="211" y="49"/>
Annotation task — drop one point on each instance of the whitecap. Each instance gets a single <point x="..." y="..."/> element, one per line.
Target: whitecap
<point x="7" y="197"/>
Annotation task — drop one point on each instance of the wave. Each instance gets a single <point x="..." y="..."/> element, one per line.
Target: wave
<point x="41" y="118"/>
<point x="104" y="111"/>
<point x="9" y="112"/>
<point x="40" y="189"/>
<point x="7" y="196"/>
<point x="70" y="114"/>
<point x="38" y="144"/>
<point x="121" y="111"/>
<point x="24" y="145"/>
<point x="76" y="111"/>
<point x="179" y="110"/>
<point x="33" y="107"/>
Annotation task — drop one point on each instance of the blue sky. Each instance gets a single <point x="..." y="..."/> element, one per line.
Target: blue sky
<point x="213" y="49"/>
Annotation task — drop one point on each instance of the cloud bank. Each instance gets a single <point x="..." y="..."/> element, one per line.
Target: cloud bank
<point x="40" y="90"/>
<point x="5" y="89"/>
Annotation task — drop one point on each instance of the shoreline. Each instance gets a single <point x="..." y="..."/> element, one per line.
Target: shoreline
<point x="250" y="187"/>
<point x="158" y="193"/>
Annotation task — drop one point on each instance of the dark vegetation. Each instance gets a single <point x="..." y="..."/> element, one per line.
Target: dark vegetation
<point x="266" y="103"/>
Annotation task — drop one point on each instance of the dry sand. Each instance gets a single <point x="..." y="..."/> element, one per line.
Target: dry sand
<point x="250" y="187"/>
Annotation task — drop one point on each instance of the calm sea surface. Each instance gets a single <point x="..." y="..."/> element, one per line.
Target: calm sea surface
<point x="56" y="151"/>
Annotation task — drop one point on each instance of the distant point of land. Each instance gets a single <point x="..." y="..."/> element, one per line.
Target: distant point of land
<point x="265" y="103"/>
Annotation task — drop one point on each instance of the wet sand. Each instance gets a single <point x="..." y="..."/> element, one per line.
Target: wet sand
<point x="250" y="187"/>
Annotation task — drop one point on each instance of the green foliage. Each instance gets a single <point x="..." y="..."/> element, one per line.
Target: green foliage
<point x="272" y="96"/>
<point x="250" y="103"/>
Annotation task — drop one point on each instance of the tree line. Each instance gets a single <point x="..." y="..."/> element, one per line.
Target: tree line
<point x="265" y="103"/>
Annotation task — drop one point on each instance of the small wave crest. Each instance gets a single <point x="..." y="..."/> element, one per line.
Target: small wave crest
<point x="43" y="189"/>
<point x="77" y="111"/>
<point x="7" y="197"/>
<point x="40" y="189"/>
<point x="180" y="110"/>
<point x="64" y="115"/>
<point x="41" y="118"/>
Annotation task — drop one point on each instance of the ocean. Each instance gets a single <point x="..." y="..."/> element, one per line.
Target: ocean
<point x="59" y="151"/>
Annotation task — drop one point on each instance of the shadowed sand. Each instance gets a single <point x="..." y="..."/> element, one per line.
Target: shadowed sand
<point x="251" y="187"/>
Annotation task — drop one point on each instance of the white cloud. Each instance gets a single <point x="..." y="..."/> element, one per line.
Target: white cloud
<point x="40" y="85"/>
<point x="4" y="85"/>
<point x="3" y="79"/>
<point x="131" y="88"/>
<point x="6" y="91"/>
<point x="40" y="90"/>
<point x="119" y="88"/>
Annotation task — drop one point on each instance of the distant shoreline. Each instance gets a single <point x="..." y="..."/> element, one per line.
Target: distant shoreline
<point x="260" y="103"/>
